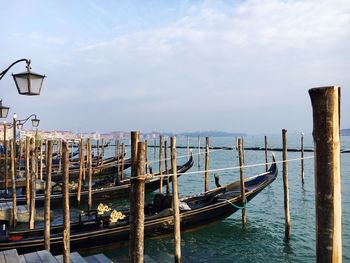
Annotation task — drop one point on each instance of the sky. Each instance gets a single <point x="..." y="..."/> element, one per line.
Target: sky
<point x="176" y="66"/>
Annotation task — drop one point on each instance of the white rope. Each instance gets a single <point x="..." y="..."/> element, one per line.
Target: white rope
<point x="231" y="168"/>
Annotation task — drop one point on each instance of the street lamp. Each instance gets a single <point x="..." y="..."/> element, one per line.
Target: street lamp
<point x="3" y="110"/>
<point x="27" y="83"/>
<point x="35" y="121"/>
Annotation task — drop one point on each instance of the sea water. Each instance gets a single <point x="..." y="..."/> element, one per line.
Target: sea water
<point x="262" y="240"/>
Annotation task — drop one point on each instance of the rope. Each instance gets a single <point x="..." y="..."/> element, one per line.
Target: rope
<point x="236" y="206"/>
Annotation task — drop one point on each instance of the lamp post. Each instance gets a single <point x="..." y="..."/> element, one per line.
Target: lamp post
<point x="27" y="83"/>
<point x="35" y="121"/>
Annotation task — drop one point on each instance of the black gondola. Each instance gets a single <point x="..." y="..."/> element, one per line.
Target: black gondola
<point x="195" y="212"/>
<point x="101" y="190"/>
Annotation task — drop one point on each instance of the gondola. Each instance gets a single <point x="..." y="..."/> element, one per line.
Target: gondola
<point x="195" y="211"/>
<point x="102" y="189"/>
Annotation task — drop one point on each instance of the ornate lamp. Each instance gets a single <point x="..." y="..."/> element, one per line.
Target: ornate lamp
<point x="3" y="110"/>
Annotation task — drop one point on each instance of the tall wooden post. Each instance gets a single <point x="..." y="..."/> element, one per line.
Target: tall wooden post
<point x="146" y="156"/>
<point x="266" y="159"/>
<point x="27" y="170"/>
<point x="32" y="183"/>
<point x="118" y="162"/>
<point x="65" y="197"/>
<point x="13" y="180"/>
<point x="177" y="230"/>
<point x="160" y="164"/>
<point x="14" y="126"/>
<point x="41" y="159"/>
<point x="137" y="199"/>
<point x="60" y="155"/>
<point x="135" y="137"/>
<point x="326" y="121"/>
<point x="6" y="156"/>
<point x="47" y="219"/>
<point x="122" y="168"/>
<point x="166" y="166"/>
<point x="90" y="174"/>
<point x="102" y="151"/>
<point x="206" y="182"/>
<point x="199" y="151"/>
<point x="241" y="172"/>
<point x="302" y="158"/>
<point x="98" y="152"/>
<point x="285" y="185"/>
<point x="81" y="168"/>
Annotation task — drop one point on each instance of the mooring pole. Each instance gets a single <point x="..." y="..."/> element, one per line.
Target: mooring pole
<point x="166" y="166"/>
<point x="137" y="200"/>
<point x="13" y="180"/>
<point x="6" y="156"/>
<point x="65" y="197"/>
<point x="302" y="158"/>
<point x="199" y="151"/>
<point x="206" y="181"/>
<point x="285" y="185"/>
<point x="241" y="172"/>
<point x="98" y="152"/>
<point x="146" y="156"/>
<point x="47" y="219"/>
<point x="81" y="168"/>
<point x="32" y="183"/>
<point x="27" y="169"/>
<point x="122" y="169"/>
<point x="118" y="178"/>
<point x="41" y="159"/>
<point x="102" y="151"/>
<point x="176" y="213"/>
<point x="60" y="155"/>
<point x="266" y="160"/>
<point x="90" y="174"/>
<point x="160" y="164"/>
<point x="326" y="124"/>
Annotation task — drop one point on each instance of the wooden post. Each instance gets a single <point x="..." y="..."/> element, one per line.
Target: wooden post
<point x="176" y="209"/>
<point x="137" y="200"/>
<point x="60" y="155"/>
<point x="302" y="158"/>
<point x="47" y="219"/>
<point x="18" y="161"/>
<point x="135" y="135"/>
<point x="266" y="159"/>
<point x="28" y="174"/>
<point x="14" y="126"/>
<point x="33" y="183"/>
<point x="98" y="152"/>
<point x="6" y="156"/>
<point x="102" y="151"/>
<point x="41" y="159"/>
<point x="13" y="180"/>
<point x="81" y="168"/>
<point x="65" y="197"/>
<point x="166" y="166"/>
<point x="90" y="174"/>
<point x="160" y="164"/>
<point x="122" y="169"/>
<point x="206" y="182"/>
<point x="146" y="156"/>
<point x="118" y="162"/>
<point x="326" y="121"/>
<point x="241" y="172"/>
<point x="199" y="151"/>
<point x="285" y="185"/>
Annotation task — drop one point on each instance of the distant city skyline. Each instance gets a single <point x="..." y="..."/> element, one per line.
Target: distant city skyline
<point x="176" y="66"/>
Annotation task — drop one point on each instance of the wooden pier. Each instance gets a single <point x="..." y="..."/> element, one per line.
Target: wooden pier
<point x="44" y="256"/>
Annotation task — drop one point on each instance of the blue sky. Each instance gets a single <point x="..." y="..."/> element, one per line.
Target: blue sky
<point x="176" y="65"/>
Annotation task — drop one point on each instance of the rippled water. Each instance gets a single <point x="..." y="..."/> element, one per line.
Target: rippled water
<point x="263" y="238"/>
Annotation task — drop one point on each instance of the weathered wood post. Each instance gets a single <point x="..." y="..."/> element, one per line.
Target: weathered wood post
<point x="302" y="158"/>
<point x="118" y="178"/>
<point x="98" y="152"/>
<point x="160" y="164"/>
<point x="32" y="183"/>
<point x="146" y="156"/>
<point x="65" y="197"/>
<point x="206" y="168"/>
<point x="60" y="155"/>
<point x="27" y="170"/>
<point x="13" y="180"/>
<point x="176" y="209"/>
<point x="135" y="137"/>
<point x="122" y="168"/>
<point x="41" y="159"/>
<point x="102" y="151"/>
<point x="166" y="166"/>
<point x="285" y="185"/>
<point x="241" y="173"/>
<point x="90" y="173"/>
<point x="81" y="168"/>
<point x="199" y="151"/>
<point x="47" y="214"/>
<point x="137" y="198"/>
<point x="6" y="156"/>
<point x="326" y="121"/>
<point x="266" y="159"/>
